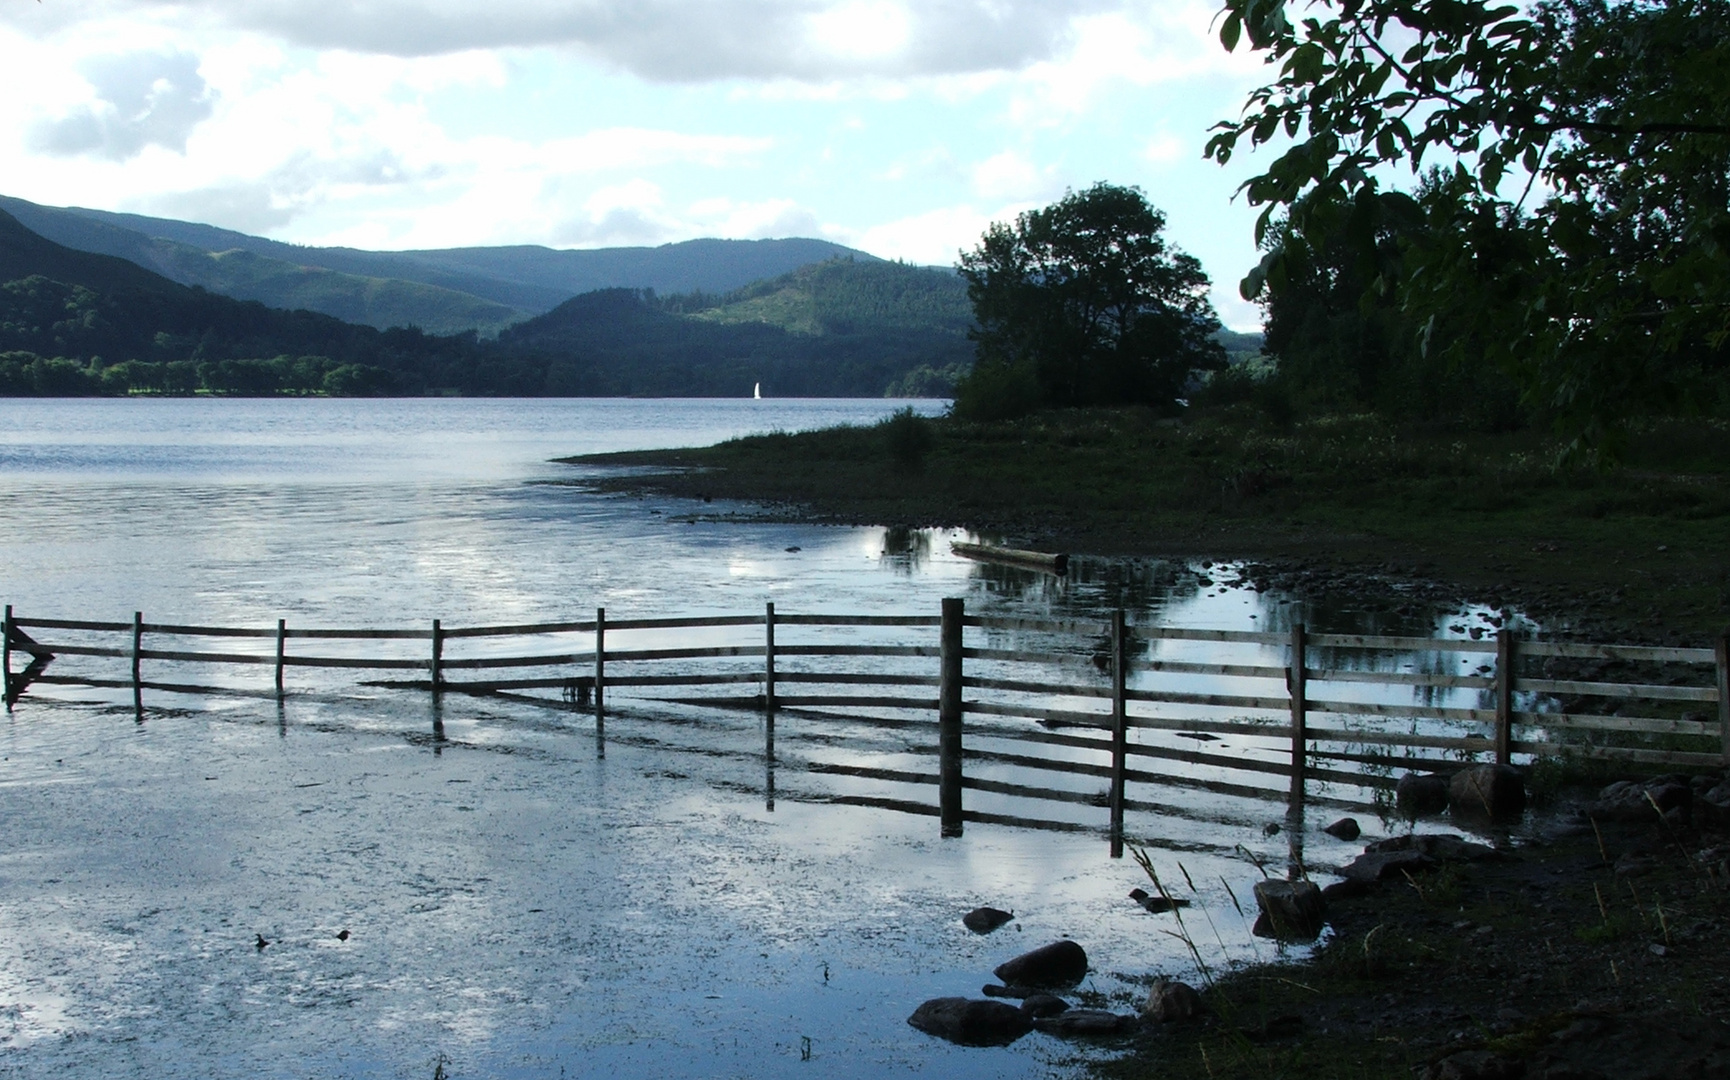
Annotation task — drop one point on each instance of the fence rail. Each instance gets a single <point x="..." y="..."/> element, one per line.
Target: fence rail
<point x="1072" y="700"/>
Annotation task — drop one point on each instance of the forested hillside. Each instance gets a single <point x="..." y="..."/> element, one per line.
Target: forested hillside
<point x="73" y="323"/>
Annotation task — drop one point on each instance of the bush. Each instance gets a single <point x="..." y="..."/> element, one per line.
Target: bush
<point x="909" y="438"/>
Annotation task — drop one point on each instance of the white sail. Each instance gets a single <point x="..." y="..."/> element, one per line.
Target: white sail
<point x="757" y="392"/>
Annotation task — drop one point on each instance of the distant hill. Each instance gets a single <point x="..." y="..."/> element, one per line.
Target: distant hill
<point x="74" y="322"/>
<point x="440" y="290"/>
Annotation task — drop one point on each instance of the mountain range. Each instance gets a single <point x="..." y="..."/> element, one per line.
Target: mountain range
<point x="442" y="291"/>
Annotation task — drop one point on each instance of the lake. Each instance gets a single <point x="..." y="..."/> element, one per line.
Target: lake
<point x="515" y="906"/>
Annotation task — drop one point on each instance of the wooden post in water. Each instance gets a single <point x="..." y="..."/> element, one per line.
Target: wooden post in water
<point x="1297" y="681"/>
<point x="1119" y="727"/>
<point x="949" y="718"/>
<point x="281" y="643"/>
<point x="6" y="650"/>
<point x="769" y="706"/>
<point x="438" y="658"/>
<point x="1723" y="687"/>
<point x="1504" y="696"/>
<point x="600" y="682"/>
<point x="137" y="682"/>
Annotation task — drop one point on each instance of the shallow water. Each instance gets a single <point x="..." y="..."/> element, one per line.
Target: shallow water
<point x="515" y="904"/>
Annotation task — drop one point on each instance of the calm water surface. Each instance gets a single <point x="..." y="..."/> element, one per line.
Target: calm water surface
<point x="515" y="906"/>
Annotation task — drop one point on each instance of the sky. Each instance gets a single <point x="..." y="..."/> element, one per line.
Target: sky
<point x="900" y="127"/>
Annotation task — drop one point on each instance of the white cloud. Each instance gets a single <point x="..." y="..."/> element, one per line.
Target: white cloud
<point x="932" y="238"/>
<point x="1010" y="175"/>
<point x="140" y="99"/>
<point x="660" y="40"/>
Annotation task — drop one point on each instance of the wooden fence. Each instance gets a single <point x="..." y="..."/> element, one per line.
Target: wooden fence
<point x="1293" y="716"/>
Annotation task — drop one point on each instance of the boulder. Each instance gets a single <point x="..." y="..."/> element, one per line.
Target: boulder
<point x="968" y="1022"/>
<point x="1475" y="1065"/>
<point x="1487" y="792"/>
<point x="1375" y="866"/>
<point x="1169" y="1001"/>
<point x="983" y="920"/>
<point x="1667" y="797"/>
<point x="1039" y="1005"/>
<point x="1061" y="963"/>
<point x="1085" y="1023"/>
<point x="1290" y="910"/>
<point x="1421" y="795"/>
<point x="1711" y="808"/>
<point x="1344" y="829"/>
<point x="1442" y="847"/>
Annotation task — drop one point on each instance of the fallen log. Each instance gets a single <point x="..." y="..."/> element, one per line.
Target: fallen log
<point x="1027" y="560"/>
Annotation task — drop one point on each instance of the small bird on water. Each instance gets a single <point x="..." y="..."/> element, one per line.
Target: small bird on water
<point x="342" y="936"/>
<point x="260" y="943"/>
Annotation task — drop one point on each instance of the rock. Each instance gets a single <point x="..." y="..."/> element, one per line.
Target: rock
<point x="1038" y="1005"/>
<point x="1290" y="910"/>
<point x="1666" y="797"/>
<point x="1345" y="829"/>
<point x="1487" y="792"/>
<point x="1634" y="864"/>
<point x="1085" y="1023"/>
<point x="1475" y="1065"/>
<point x="1421" y="795"/>
<point x="983" y="920"/>
<point x="1371" y="867"/>
<point x="1711" y="808"/>
<point x="1170" y="1001"/>
<point x="1344" y="890"/>
<point x="1156" y="904"/>
<point x="1017" y="992"/>
<point x="969" y="1022"/>
<point x="1442" y="847"/>
<point x="1061" y="963"/>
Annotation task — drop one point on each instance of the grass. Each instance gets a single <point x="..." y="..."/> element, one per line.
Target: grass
<point x="1643" y="546"/>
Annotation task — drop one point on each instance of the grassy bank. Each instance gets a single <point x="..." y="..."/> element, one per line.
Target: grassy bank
<point x="1640" y="550"/>
<point x="1573" y="958"/>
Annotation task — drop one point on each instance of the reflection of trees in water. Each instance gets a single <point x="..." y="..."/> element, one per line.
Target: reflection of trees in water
<point x="907" y="549"/>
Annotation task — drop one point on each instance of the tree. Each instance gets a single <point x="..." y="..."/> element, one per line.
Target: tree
<point x="1601" y="278"/>
<point x="1084" y="303"/>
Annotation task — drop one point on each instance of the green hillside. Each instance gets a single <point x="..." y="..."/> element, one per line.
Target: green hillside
<point x="440" y="290"/>
<point x="844" y="296"/>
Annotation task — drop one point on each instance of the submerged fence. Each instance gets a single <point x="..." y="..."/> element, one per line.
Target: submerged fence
<point x="1092" y="716"/>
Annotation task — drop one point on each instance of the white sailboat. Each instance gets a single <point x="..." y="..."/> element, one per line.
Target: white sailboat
<point x="757" y="392"/>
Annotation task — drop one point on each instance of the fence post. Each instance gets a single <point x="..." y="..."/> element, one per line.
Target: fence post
<point x="438" y="658"/>
<point x="1119" y="728"/>
<point x="1723" y="688"/>
<point x="1298" y="682"/>
<point x="1504" y="696"/>
<point x="600" y="681"/>
<point x="137" y="647"/>
<point x="281" y="642"/>
<point x="769" y="706"/>
<point x="769" y="660"/>
<point x="6" y="649"/>
<point x="949" y="718"/>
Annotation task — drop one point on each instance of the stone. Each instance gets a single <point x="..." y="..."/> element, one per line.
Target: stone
<point x="983" y="920"/>
<point x="1371" y="867"/>
<point x="1475" y="1065"/>
<point x="1487" y="792"/>
<point x="1061" y="963"/>
<point x="1711" y="807"/>
<point x="1442" y="847"/>
<point x="969" y="1022"/>
<point x="1290" y="910"/>
<point x="1039" y="1005"/>
<point x="1085" y="1023"/>
<point x="1157" y="904"/>
<point x="1017" y="992"/>
<point x="1665" y="797"/>
<point x="1421" y="795"/>
<point x="1169" y="1001"/>
<point x="1344" y="829"/>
